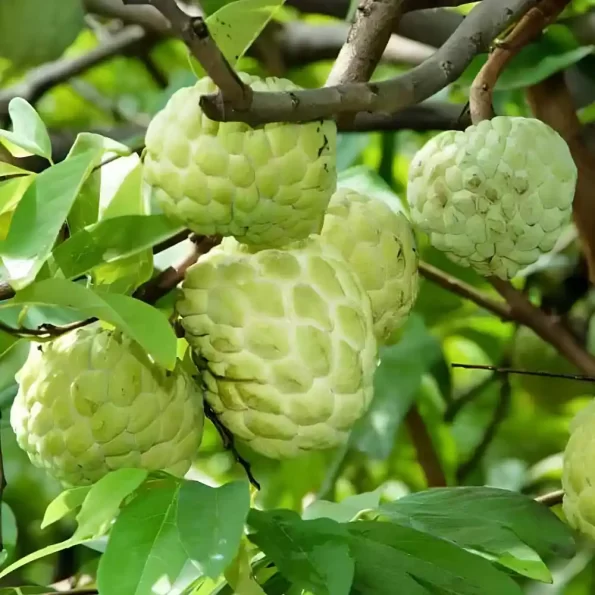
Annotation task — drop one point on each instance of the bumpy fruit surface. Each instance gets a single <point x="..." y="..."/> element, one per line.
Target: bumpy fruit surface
<point x="92" y="401"/>
<point x="285" y="341"/>
<point x="578" y="478"/>
<point x="266" y="187"/>
<point x="378" y="242"/>
<point x="36" y="31"/>
<point x="496" y="196"/>
<point x="533" y="353"/>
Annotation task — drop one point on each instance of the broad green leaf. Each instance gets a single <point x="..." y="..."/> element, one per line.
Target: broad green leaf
<point x="314" y="555"/>
<point x="389" y="552"/>
<point x="111" y="239"/>
<point x="211" y="523"/>
<point x="63" y="504"/>
<point x="10" y="531"/>
<point x="33" y="590"/>
<point x="486" y="519"/>
<point x="7" y="169"/>
<point x="349" y="148"/>
<point x="42" y="553"/>
<point x="104" y="500"/>
<point x="11" y="192"/>
<point x="39" y="216"/>
<point x="146" y="536"/>
<point x="396" y="383"/>
<point x="239" y="574"/>
<point x="86" y="207"/>
<point x="345" y="510"/>
<point x="522" y="560"/>
<point x="28" y="131"/>
<point x="236" y="25"/>
<point x="145" y="324"/>
<point x="211" y="6"/>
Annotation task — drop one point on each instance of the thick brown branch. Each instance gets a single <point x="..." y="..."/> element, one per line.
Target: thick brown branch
<point x="526" y="30"/>
<point x="40" y="79"/>
<point x="194" y="32"/>
<point x="146" y="16"/>
<point x="474" y="35"/>
<point x="457" y="286"/>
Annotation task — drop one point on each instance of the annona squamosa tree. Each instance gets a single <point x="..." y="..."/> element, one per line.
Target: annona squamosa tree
<point x="496" y="196"/>
<point x="578" y="480"/>
<point x="531" y="352"/>
<point x="285" y="342"/>
<point x="378" y="242"/>
<point x="92" y="401"/>
<point x="36" y="31"/>
<point x="265" y="186"/>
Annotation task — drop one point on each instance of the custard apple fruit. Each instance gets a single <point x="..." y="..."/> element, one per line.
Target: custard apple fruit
<point x="578" y="478"/>
<point x="33" y="32"/>
<point x="265" y="186"/>
<point x="378" y="243"/>
<point x="285" y="342"/>
<point x="496" y="196"/>
<point x="92" y="401"/>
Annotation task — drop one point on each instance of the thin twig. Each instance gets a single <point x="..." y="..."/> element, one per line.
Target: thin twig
<point x="228" y="443"/>
<point x="426" y="453"/>
<point x="194" y="32"/>
<point x="551" y="499"/>
<point x="474" y="35"/>
<point x="498" y="416"/>
<point x="526" y="30"/>
<point x="457" y="286"/>
<point x="503" y="370"/>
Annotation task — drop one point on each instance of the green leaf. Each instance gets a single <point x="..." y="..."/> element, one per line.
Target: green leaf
<point x="111" y="239"/>
<point x="28" y="131"/>
<point x="104" y="500"/>
<point x="236" y="25"/>
<point x="314" y="555"/>
<point x="387" y="553"/>
<point x="146" y="536"/>
<point x="491" y="520"/>
<point x="39" y="216"/>
<point x="12" y="191"/>
<point x="145" y="324"/>
<point x="7" y="169"/>
<point x="345" y="510"/>
<point x="211" y="523"/>
<point x="349" y="148"/>
<point x="64" y="503"/>
<point x="10" y="531"/>
<point x="33" y="590"/>
<point x="397" y="381"/>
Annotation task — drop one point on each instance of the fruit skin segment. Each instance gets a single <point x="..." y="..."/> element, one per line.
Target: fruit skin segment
<point x="92" y="401"/>
<point x="265" y="186"/>
<point x="578" y="477"/>
<point x="379" y="244"/>
<point x="285" y="342"/>
<point x="496" y="196"/>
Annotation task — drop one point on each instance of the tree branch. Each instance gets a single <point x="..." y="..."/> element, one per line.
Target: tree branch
<point x="194" y="32"/>
<point x="474" y="35"/>
<point x="41" y="79"/>
<point x="526" y="30"/>
<point x="551" y="499"/>
<point x="145" y="16"/>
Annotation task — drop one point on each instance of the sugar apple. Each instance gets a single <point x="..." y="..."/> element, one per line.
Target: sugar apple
<point x="578" y="478"/>
<point x="285" y="342"/>
<point x="378" y="243"/>
<point x="265" y="186"/>
<point x="496" y="196"/>
<point x="33" y="32"/>
<point x="92" y="401"/>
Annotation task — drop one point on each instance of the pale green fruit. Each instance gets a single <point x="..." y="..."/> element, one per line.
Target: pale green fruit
<point x="36" y="31"/>
<point x="378" y="243"/>
<point x="285" y="342"/>
<point x="92" y="401"/>
<point x="578" y="478"/>
<point x="266" y="186"/>
<point x="496" y="196"/>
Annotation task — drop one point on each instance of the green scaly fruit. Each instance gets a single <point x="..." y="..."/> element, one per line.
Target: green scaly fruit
<point x="285" y="342"/>
<point x="265" y="186"/>
<point x="92" y="401"/>
<point x="378" y="242"/>
<point x="33" y="32"/>
<point x="496" y="196"/>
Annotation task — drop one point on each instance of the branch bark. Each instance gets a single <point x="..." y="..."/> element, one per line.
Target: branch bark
<point x="474" y="35"/>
